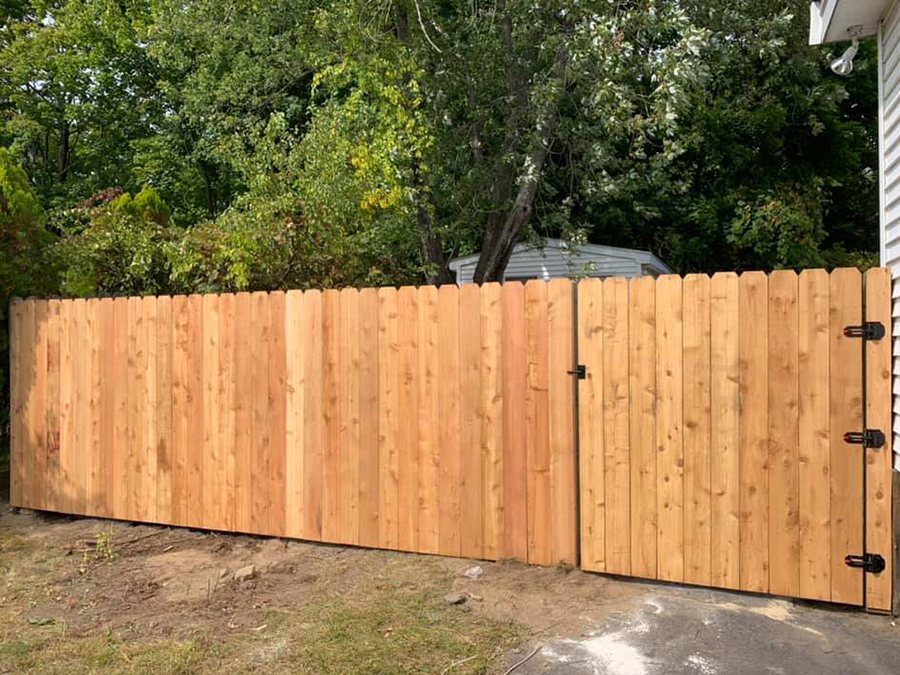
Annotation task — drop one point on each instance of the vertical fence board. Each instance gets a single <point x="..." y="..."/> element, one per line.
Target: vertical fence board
<point x="429" y="421"/>
<point x="151" y="311"/>
<point x="163" y="409"/>
<point x="537" y="414"/>
<point x="368" y="417"/>
<point x="313" y="427"/>
<point x="18" y="373"/>
<point x="590" y="426"/>
<point x="642" y="382"/>
<point x="260" y="485"/>
<point x="53" y="477"/>
<point x="135" y="396"/>
<point x="515" y="453"/>
<point x="295" y="328"/>
<point x="212" y="496"/>
<point x="96" y="483"/>
<point x="784" y="477"/>
<point x="243" y="412"/>
<point x="448" y="413"/>
<point x="846" y="415"/>
<point x="225" y="393"/>
<point x="349" y="414"/>
<point x="120" y="396"/>
<point x="561" y="418"/>
<point x="180" y="367"/>
<point x="277" y="414"/>
<point x="879" y="538"/>
<point x="408" y="421"/>
<point x="669" y="428"/>
<point x="814" y="456"/>
<point x="331" y="416"/>
<point x="492" y="421"/>
<point x="388" y="420"/>
<point x="37" y="421"/>
<point x="697" y="423"/>
<point x="105" y="337"/>
<point x="754" y="450"/>
<point x="616" y="425"/>
<point x="725" y="445"/>
<point x="81" y="460"/>
<point x="195" y="515"/>
<point x="470" y="416"/>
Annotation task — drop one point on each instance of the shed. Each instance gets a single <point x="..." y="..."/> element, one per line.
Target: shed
<point x="556" y="260"/>
<point x="834" y="21"/>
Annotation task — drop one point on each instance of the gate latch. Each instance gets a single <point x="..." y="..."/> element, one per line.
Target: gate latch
<point x="870" y="438"/>
<point x="870" y="562"/>
<point x="580" y="371"/>
<point x="870" y="330"/>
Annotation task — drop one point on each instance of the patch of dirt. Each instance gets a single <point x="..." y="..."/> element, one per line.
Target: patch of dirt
<point x="155" y="581"/>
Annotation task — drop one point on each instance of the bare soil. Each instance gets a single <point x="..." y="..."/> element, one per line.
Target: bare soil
<point x="147" y="582"/>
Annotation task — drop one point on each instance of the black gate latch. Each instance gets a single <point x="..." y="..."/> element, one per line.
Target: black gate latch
<point x="580" y="371"/>
<point x="870" y="438"/>
<point x="870" y="330"/>
<point x="870" y="562"/>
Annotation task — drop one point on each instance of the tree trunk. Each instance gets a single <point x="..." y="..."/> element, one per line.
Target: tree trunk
<point x="62" y="157"/>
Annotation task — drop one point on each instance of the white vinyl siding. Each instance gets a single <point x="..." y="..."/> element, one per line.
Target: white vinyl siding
<point x="556" y="261"/>
<point x="889" y="66"/>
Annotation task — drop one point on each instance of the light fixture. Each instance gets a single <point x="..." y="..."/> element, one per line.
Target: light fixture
<point x="844" y="65"/>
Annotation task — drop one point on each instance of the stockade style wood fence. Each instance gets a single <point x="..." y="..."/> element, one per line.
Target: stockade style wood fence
<point x="710" y="422"/>
<point x="429" y="420"/>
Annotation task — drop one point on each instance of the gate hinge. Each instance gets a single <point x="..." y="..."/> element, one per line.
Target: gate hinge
<point x="870" y="438"/>
<point x="870" y="562"/>
<point x="580" y="371"/>
<point x="870" y="330"/>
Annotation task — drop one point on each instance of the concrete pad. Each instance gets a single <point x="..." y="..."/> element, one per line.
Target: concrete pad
<point x="675" y="631"/>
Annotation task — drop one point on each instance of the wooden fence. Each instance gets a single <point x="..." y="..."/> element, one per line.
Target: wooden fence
<point x="711" y="422"/>
<point x="712" y="426"/>
<point x="430" y="420"/>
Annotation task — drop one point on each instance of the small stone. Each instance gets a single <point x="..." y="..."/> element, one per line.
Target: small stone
<point x="245" y="573"/>
<point x="455" y="598"/>
<point x="224" y="573"/>
<point x="474" y="573"/>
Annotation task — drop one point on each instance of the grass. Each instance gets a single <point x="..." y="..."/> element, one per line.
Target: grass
<point x="391" y="621"/>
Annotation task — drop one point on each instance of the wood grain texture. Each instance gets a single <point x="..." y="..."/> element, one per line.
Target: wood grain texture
<point x="845" y="294"/>
<point x="492" y="420"/>
<point x="784" y="474"/>
<point x="368" y="417"/>
<point x="95" y="501"/>
<point x="243" y="412"/>
<point x="515" y="451"/>
<point x="388" y="420"/>
<point x="260" y="485"/>
<point x="590" y="426"/>
<point x="670" y="428"/>
<point x="697" y="430"/>
<point x="53" y="476"/>
<point x="120" y="397"/>
<point x="225" y="393"/>
<point x="814" y="455"/>
<point x="471" y="416"/>
<point x="331" y="416"/>
<point x="879" y="526"/>
<point x="408" y="421"/>
<point x="349" y="414"/>
<point x="642" y="357"/>
<point x="295" y="328"/>
<point x="429" y="421"/>
<point x="561" y="418"/>
<point x="213" y="478"/>
<point x="277" y="418"/>
<point x="537" y="421"/>
<point x="194" y="380"/>
<point x="37" y="420"/>
<point x="18" y="374"/>
<point x="163" y="411"/>
<point x="616" y="425"/>
<point x="725" y="445"/>
<point x="448" y="414"/>
<point x="313" y="410"/>
<point x="81" y="417"/>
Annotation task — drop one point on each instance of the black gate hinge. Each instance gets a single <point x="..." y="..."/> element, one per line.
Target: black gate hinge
<point x="870" y="562"/>
<point x="870" y="438"/>
<point x="580" y="371"/>
<point x="870" y="330"/>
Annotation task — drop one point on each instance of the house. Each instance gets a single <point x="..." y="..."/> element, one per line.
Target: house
<point x="836" y="21"/>
<point x="558" y="260"/>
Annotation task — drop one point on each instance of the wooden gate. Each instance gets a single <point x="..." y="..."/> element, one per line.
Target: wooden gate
<point x="712" y="421"/>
